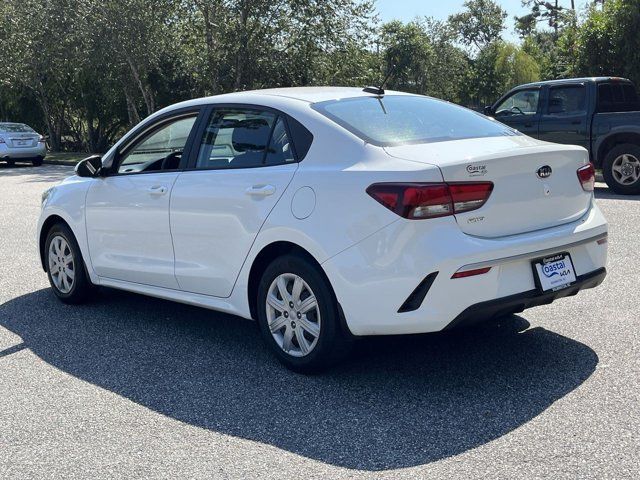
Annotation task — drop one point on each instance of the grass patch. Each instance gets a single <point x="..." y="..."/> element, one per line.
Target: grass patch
<point x="70" y="158"/>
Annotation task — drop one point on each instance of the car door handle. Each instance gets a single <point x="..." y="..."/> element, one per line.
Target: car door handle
<point x="261" y="190"/>
<point x="576" y="122"/>
<point x="157" y="190"/>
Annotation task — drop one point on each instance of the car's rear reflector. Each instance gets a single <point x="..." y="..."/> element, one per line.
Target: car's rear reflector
<point x="471" y="273"/>
<point x="587" y="177"/>
<point x="431" y="200"/>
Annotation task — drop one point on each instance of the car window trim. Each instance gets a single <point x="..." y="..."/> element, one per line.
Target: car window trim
<point x="148" y="128"/>
<point x="193" y="160"/>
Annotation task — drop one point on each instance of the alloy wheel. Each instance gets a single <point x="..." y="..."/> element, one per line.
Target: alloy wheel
<point x="626" y="169"/>
<point x="61" y="264"/>
<point x="293" y="315"/>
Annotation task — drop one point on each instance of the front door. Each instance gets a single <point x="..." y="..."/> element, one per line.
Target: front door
<point x="520" y="110"/>
<point x="243" y="166"/>
<point x="127" y="211"/>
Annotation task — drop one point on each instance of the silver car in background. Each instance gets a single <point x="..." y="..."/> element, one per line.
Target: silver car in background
<point x="21" y="142"/>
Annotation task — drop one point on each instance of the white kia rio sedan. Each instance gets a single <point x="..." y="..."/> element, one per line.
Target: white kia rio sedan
<point x="327" y="214"/>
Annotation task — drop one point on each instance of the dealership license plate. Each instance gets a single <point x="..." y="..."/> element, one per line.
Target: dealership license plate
<point x="554" y="272"/>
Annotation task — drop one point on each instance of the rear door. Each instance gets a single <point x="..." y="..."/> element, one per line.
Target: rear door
<point x="521" y="110"/>
<point x="242" y="164"/>
<point x="564" y="118"/>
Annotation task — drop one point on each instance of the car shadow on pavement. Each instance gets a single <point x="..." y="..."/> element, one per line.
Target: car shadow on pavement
<point x="607" y="194"/>
<point x="398" y="402"/>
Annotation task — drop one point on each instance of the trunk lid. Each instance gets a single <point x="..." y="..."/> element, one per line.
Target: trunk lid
<point x="21" y="140"/>
<point x="521" y="201"/>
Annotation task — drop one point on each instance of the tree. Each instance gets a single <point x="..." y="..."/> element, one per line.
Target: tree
<point x="549" y="12"/>
<point x="608" y="42"/>
<point x="480" y="24"/>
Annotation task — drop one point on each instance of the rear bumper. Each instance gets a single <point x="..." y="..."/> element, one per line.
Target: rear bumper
<point x="378" y="278"/>
<point x="521" y="301"/>
<point x="18" y="153"/>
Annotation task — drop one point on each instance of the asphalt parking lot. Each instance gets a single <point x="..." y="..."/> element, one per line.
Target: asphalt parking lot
<point x="133" y="387"/>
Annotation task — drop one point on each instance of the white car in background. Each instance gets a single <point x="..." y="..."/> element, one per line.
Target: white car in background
<point x="21" y="142"/>
<point x="327" y="214"/>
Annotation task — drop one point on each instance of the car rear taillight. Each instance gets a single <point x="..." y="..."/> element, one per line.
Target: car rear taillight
<point x="587" y="177"/>
<point x="469" y="196"/>
<point x="2" y="140"/>
<point x="431" y="200"/>
<point x="41" y="139"/>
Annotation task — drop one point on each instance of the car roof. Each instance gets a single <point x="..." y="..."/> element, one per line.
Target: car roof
<point x="301" y="94"/>
<point x="574" y="80"/>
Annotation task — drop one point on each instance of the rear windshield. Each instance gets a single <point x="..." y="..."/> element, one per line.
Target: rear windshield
<point x="408" y="119"/>
<point x="15" y="128"/>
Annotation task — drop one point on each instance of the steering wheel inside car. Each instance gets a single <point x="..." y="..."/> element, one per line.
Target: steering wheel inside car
<point x="171" y="161"/>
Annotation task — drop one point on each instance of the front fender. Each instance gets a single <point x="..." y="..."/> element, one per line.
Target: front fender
<point x="67" y="202"/>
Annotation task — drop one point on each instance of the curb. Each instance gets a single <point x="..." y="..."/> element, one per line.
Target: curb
<point x="68" y="163"/>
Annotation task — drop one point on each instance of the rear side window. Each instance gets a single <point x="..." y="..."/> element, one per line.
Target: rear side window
<point x="244" y="138"/>
<point x="567" y="100"/>
<point x="617" y="97"/>
<point x="408" y="119"/>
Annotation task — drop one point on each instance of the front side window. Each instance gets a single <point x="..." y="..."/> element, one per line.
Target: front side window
<point x="522" y="102"/>
<point x="408" y="119"/>
<point x="567" y="100"/>
<point x="244" y="138"/>
<point x="161" y="149"/>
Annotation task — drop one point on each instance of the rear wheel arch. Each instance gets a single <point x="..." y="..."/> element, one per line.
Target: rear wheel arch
<point x="611" y="142"/>
<point x="267" y="255"/>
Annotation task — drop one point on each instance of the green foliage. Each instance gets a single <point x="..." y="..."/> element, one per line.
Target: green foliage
<point x="608" y="42"/>
<point x="84" y="71"/>
<point x="480" y="24"/>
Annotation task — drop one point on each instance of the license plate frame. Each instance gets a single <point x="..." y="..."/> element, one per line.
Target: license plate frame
<point x="546" y="282"/>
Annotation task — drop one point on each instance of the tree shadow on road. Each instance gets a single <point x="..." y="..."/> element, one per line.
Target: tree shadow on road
<point x="398" y="402"/>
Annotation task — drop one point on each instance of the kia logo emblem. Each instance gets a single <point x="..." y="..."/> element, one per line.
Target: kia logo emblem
<point x="544" y="172"/>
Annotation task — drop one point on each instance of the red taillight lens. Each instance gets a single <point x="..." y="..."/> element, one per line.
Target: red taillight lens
<point x="431" y="200"/>
<point x="414" y="200"/>
<point x="587" y="177"/>
<point x="469" y="196"/>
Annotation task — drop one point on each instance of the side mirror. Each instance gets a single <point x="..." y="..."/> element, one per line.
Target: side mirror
<point x="488" y="111"/>
<point x="89" y="167"/>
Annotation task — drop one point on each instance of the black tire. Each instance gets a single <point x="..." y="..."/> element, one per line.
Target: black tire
<point x="11" y="162"/>
<point x="332" y="343"/>
<point x="609" y="174"/>
<point x="81" y="285"/>
<point x="37" y="162"/>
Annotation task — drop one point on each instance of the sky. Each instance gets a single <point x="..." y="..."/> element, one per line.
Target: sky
<point x="407" y="10"/>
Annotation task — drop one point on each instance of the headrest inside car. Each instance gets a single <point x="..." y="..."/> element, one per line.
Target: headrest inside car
<point x="251" y="135"/>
